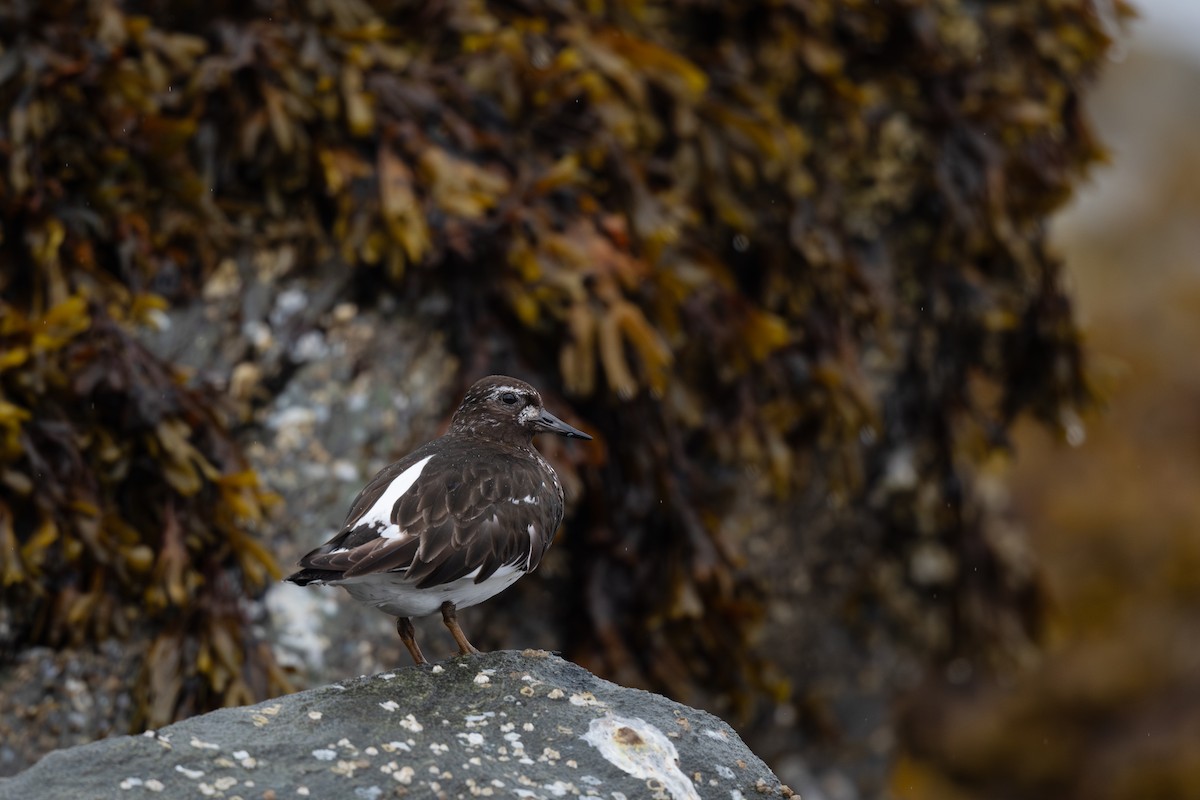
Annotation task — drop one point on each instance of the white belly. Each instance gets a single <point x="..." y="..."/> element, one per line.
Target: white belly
<point x="392" y="594"/>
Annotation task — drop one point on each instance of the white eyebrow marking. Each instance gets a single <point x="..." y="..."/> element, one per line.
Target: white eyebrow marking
<point x="380" y="512"/>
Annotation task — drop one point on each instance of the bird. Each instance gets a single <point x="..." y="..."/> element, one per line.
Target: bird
<point x="454" y="522"/>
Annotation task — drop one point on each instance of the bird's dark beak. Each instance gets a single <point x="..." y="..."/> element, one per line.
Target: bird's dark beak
<point x="548" y="423"/>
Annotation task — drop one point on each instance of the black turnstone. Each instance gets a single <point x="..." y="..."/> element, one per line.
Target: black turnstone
<point x="454" y="522"/>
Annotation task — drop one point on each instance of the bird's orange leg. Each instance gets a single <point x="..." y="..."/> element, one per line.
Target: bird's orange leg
<point x="408" y="635"/>
<point x="450" y="617"/>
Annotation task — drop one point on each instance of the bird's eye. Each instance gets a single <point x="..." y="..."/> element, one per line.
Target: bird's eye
<point x="508" y="398"/>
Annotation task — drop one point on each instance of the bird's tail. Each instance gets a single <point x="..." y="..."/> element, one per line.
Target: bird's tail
<point x="306" y="576"/>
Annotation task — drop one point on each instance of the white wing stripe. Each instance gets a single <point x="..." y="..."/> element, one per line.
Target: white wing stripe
<point x="533" y="542"/>
<point x="381" y="512"/>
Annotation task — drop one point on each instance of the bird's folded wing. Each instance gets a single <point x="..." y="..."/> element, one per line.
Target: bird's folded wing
<point x="440" y="519"/>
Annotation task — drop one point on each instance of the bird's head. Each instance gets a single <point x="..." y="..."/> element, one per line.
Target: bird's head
<point x="506" y="408"/>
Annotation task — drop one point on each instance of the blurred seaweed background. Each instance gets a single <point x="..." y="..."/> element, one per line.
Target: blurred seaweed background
<point x="788" y="261"/>
<point x="1111" y="708"/>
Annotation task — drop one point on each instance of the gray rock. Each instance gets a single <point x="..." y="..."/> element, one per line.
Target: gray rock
<point x="504" y="724"/>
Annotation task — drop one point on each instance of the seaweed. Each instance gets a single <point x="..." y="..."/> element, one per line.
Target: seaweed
<point x="767" y="251"/>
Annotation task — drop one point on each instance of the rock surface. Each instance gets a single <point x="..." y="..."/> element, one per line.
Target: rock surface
<point x="503" y="724"/>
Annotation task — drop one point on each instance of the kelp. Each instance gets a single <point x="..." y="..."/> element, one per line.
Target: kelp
<point x="126" y="509"/>
<point x="764" y="249"/>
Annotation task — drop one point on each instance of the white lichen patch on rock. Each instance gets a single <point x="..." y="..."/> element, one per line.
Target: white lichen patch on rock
<point x="641" y="750"/>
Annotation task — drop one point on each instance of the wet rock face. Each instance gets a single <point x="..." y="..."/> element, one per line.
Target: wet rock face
<point x="502" y="724"/>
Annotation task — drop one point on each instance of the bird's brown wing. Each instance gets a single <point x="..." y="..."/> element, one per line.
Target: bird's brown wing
<point x="458" y="512"/>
